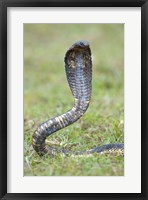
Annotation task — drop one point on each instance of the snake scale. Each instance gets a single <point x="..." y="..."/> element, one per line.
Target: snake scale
<point x="78" y="67"/>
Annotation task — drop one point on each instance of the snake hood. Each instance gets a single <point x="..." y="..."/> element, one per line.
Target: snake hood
<point x="80" y="45"/>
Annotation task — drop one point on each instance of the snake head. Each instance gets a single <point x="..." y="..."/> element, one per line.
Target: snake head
<point x="81" y="44"/>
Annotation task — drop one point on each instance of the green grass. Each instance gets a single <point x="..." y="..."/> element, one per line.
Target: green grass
<point x="47" y="94"/>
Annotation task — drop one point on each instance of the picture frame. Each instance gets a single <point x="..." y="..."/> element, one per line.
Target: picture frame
<point x="4" y="4"/>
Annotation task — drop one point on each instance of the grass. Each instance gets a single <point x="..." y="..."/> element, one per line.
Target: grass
<point x="47" y="94"/>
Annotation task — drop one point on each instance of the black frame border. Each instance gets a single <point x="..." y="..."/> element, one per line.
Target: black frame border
<point x="4" y="4"/>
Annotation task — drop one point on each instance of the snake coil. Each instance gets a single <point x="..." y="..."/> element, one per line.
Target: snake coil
<point x="78" y="67"/>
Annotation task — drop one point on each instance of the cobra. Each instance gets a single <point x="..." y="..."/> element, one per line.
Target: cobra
<point x="78" y="67"/>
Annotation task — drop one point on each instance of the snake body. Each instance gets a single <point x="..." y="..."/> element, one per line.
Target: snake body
<point x="78" y="67"/>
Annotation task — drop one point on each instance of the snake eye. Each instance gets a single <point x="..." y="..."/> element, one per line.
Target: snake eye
<point x="81" y="43"/>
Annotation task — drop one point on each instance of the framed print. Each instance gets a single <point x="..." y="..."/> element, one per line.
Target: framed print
<point x="73" y="100"/>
